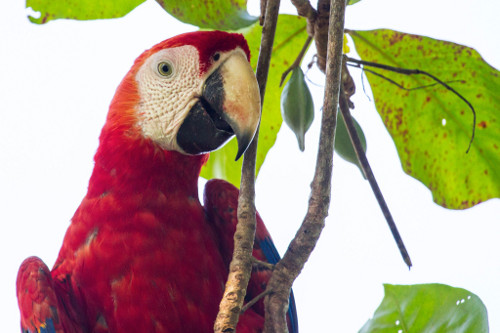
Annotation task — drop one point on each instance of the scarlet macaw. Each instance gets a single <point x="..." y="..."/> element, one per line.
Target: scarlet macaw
<point x="142" y="254"/>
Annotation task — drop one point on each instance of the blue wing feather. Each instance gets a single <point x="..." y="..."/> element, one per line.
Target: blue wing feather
<point x="221" y="203"/>
<point x="48" y="327"/>
<point x="272" y="256"/>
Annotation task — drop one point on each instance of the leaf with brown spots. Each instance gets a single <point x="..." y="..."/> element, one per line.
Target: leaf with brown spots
<point x="210" y="14"/>
<point x="431" y="127"/>
<point x="80" y="10"/>
<point x="290" y="36"/>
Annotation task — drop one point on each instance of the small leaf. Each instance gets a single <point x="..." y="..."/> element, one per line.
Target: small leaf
<point x="430" y="308"/>
<point x="80" y="10"/>
<point x="297" y="106"/>
<point x="343" y="144"/>
<point x="345" y="46"/>
<point x="213" y="14"/>
<point x="352" y="2"/>
<point x="290" y="32"/>
<point x="431" y="126"/>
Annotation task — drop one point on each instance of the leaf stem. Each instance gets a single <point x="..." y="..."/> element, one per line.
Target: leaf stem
<point x="297" y="61"/>
<point x="367" y="170"/>
<point x="406" y="71"/>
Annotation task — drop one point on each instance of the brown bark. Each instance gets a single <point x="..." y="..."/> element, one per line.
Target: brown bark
<point x="299" y="250"/>
<point x="241" y="264"/>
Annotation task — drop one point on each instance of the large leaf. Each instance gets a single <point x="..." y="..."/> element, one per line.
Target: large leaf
<point x="290" y="36"/>
<point x="211" y="14"/>
<point x="432" y="127"/>
<point x="430" y="308"/>
<point x="80" y="10"/>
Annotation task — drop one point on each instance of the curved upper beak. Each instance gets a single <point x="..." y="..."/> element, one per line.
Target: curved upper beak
<point x="229" y="104"/>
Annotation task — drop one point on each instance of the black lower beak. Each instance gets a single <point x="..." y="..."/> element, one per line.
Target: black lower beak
<point x="203" y="130"/>
<point x="229" y="105"/>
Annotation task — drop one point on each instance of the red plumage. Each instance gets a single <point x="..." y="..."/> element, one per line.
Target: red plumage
<point x="142" y="254"/>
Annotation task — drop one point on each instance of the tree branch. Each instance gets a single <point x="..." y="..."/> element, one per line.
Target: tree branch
<point x="240" y="268"/>
<point x="299" y="250"/>
<point x="305" y="9"/>
<point x="321" y="32"/>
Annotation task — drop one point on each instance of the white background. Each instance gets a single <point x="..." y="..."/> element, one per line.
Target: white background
<point x="56" y="82"/>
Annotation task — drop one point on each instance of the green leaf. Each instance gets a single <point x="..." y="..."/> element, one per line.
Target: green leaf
<point x="80" y="10"/>
<point x="343" y="144"/>
<point x="430" y="308"/>
<point x="431" y="127"/>
<point x="211" y="14"/>
<point x="297" y="107"/>
<point x="352" y="2"/>
<point x="290" y="36"/>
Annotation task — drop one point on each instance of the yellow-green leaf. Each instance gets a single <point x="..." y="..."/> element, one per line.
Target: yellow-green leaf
<point x="290" y="36"/>
<point x="80" y="10"/>
<point x="211" y="14"/>
<point x="431" y="127"/>
<point x="430" y="308"/>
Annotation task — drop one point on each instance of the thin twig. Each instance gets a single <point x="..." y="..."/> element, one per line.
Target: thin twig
<point x="367" y="170"/>
<point x="416" y="72"/>
<point x="255" y="300"/>
<point x="299" y="250"/>
<point x="240" y="268"/>
<point x="260" y="263"/>
<point x="297" y="61"/>
<point x="363" y="84"/>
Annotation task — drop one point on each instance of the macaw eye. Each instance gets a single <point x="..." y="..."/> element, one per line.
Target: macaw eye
<point x="216" y="56"/>
<point x="165" y="68"/>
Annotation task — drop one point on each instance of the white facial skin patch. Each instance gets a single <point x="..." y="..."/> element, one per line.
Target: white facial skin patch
<point x="167" y="97"/>
<point x="169" y="85"/>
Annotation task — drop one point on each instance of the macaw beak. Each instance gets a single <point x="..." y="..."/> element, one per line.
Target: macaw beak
<point x="229" y="105"/>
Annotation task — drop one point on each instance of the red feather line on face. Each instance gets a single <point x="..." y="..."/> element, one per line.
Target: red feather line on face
<point x="206" y="42"/>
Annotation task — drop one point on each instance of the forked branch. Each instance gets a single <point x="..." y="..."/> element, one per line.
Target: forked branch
<point x="299" y="250"/>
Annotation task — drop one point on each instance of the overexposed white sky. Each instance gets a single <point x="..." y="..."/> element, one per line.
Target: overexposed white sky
<point x="56" y="82"/>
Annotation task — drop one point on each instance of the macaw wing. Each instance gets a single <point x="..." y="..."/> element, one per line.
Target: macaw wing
<point x="37" y="299"/>
<point x="221" y="204"/>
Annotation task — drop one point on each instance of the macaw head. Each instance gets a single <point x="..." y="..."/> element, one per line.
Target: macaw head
<point x="191" y="94"/>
